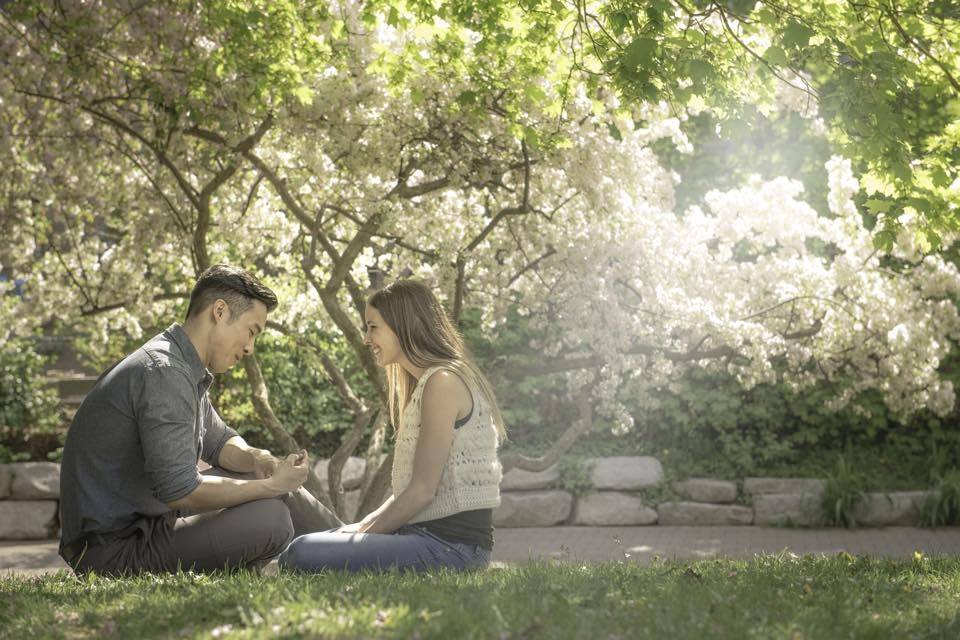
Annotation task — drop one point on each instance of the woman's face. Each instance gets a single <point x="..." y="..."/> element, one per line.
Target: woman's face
<point x="381" y="339"/>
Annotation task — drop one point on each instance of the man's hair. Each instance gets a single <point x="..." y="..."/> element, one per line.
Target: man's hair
<point x="236" y="287"/>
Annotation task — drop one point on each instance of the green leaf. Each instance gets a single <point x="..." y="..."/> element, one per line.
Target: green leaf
<point x="797" y="35"/>
<point x="776" y="56"/>
<point x="639" y="53"/>
<point x="699" y="70"/>
<point x="534" y="93"/>
<point x="465" y="98"/>
<point x="532" y="137"/>
<point x="393" y="18"/>
<point x="920" y="205"/>
<point x="618" y="22"/>
<point x="303" y="94"/>
<point x="940" y="177"/>
<point x="879" y="206"/>
<point x="902" y="171"/>
<point x="741" y="8"/>
<point x="614" y="131"/>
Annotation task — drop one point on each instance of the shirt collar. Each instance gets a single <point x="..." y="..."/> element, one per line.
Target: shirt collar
<point x="199" y="373"/>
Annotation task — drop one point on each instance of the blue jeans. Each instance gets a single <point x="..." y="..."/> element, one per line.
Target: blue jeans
<point x="409" y="548"/>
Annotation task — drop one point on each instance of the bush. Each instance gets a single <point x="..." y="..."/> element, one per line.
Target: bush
<point x="844" y="490"/>
<point x="706" y="423"/>
<point x="304" y="400"/>
<point x="943" y="507"/>
<point x="576" y="476"/>
<point x="30" y="417"/>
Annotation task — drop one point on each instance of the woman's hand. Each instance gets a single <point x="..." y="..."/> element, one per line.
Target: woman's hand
<point x="350" y="528"/>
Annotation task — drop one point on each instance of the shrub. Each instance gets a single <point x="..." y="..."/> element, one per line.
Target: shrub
<point x="304" y="400"/>
<point x="943" y="506"/>
<point x="30" y="415"/>
<point x="576" y="476"/>
<point x="845" y="488"/>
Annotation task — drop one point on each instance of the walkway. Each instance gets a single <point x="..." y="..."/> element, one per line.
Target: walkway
<point x="598" y="544"/>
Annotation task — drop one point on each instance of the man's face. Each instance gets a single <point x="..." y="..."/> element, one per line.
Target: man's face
<point x="232" y="337"/>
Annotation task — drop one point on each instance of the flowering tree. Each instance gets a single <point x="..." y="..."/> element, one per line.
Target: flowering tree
<point x="884" y="76"/>
<point x="331" y="149"/>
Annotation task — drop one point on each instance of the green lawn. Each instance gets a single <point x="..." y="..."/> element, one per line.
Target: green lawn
<point x="780" y="596"/>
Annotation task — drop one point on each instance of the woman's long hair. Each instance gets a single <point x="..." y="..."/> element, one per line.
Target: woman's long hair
<point x="428" y="339"/>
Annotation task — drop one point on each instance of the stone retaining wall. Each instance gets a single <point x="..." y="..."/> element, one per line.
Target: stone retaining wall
<point x="29" y="493"/>
<point x="28" y="500"/>
<point x="532" y="500"/>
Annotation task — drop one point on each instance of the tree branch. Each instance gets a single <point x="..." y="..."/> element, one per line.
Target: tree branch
<point x="532" y="265"/>
<point x="120" y="305"/>
<point x="261" y="403"/>
<point x="916" y="44"/>
<point x="566" y="440"/>
<point x="344" y="451"/>
<point x="333" y="372"/>
<point x="559" y="365"/>
<point x="458" y="288"/>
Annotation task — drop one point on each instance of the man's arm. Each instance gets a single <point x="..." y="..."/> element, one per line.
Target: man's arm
<point x="237" y="455"/>
<point x="216" y="493"/>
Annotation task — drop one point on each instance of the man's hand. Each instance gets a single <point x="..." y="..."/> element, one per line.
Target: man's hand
<point x="264" y="464"/>
<point x="290" y="473"/>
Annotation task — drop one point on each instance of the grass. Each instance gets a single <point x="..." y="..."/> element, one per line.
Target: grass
<point x="773" y="596"/>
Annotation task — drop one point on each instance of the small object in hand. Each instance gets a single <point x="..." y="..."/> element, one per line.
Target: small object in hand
<point x="301" y="456"/>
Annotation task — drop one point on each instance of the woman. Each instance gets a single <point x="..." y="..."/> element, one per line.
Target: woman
<point x="446" y="474"/>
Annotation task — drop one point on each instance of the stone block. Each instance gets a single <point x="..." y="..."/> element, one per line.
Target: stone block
<point x="900" y="508"/>
<point x="707" y="490"/>
<point x="626" y="473"/>
<point x="35" y="481"/>
<point x="703" y="514"/>
<point x="351" y="504"/>
<point x="351" y="476"/>
<point x="785" y="486"/>
<point x="609" y="508"/>
<point x="6" y="479"/>
<point x="532" y="508"/>
<point x="28" y="519"/>
<point x="521" y="480"/>
<point x="782" y="509"/>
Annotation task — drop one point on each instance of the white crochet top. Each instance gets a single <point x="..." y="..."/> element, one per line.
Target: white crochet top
<point x="471" y="476"/>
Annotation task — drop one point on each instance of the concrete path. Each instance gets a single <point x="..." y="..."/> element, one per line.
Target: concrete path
<point x="640" y="544"/>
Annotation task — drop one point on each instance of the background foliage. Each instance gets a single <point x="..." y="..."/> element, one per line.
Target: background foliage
<point x="378" y="136"/>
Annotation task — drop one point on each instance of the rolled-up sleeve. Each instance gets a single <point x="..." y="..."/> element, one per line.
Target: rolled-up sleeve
<point x="167" y="413"/>
<point x="216" y="435"/>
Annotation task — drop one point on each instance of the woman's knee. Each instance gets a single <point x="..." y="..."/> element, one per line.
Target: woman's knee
<point x="318" y="551"/>
<point x="296" y="555"/>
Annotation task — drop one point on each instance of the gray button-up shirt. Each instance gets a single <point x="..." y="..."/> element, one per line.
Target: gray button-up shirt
<point x="134" y="444"/>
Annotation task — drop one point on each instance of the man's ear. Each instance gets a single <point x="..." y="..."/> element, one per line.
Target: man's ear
<point x="220" y="311"/>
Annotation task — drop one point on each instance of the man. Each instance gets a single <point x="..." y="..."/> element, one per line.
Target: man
<point x="129" y="476"/>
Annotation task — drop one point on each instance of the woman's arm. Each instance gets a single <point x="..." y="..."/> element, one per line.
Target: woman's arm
<point x="370" y="517"/>
<point x="444" y="397"/>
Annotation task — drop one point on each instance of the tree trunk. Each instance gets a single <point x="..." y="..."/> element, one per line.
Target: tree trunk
<point x="379" y="487"/>
<point x="261" y="403"/>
